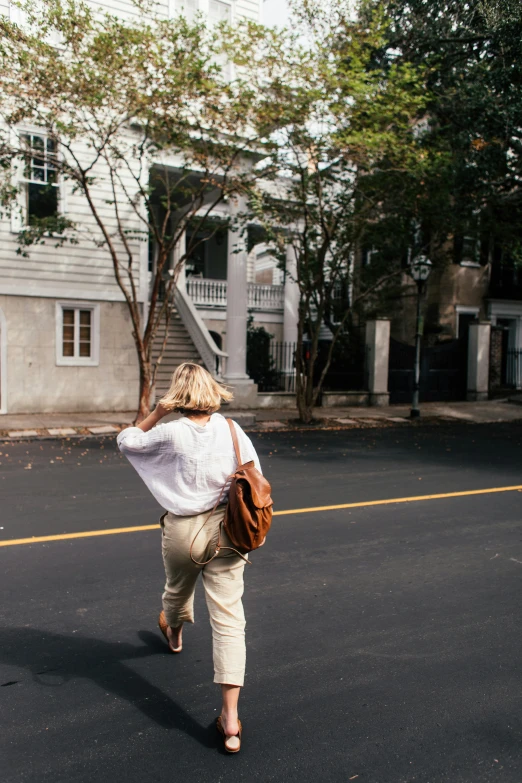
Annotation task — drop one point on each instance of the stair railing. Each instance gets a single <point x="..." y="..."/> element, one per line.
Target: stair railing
<point x="213" y="357"/>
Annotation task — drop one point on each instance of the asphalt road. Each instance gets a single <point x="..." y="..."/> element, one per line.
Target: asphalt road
<point x="383" y="642"/>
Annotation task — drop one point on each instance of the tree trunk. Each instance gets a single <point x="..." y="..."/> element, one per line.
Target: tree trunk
<point x="303" y="396"/>
<point x="303" y="406"/>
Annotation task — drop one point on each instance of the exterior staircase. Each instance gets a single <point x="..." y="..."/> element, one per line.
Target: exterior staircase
<point x="180" y="348"/>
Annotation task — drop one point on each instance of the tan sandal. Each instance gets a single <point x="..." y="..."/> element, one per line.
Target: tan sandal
<point x="163" y="626"/>
<point x="221" y="730"/>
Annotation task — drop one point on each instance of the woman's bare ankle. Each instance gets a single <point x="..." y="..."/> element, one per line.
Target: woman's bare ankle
<point x="175" y="636"/>
<point x="229" y="715"/>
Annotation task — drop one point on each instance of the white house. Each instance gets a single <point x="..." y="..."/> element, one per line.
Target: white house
<point x="65" y="332"/>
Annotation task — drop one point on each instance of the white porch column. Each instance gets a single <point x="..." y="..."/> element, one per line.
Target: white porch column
<point x="478" y="361"/>
<point x="245" y="390"/>
<point x="291" y="301"/>
<point x="378" y="352"/>
<point x="290" y="317"/>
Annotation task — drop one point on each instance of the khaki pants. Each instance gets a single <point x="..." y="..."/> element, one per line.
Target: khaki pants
<point x="222" y="581"/>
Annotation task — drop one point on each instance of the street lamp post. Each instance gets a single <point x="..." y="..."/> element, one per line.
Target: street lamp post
<point x="420" y="271"/>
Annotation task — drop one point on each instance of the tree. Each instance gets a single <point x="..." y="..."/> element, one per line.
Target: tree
<point x="144" y="122"/>
<point x="350" y="118"/>
<point x="472" y="53"/>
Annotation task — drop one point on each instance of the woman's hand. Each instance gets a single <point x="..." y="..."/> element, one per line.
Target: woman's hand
<point x="153" y="418"/>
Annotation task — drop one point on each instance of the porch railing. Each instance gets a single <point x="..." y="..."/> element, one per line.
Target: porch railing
<point x="213" y="293"/>
<point x="265" y="297"/>
<point x="207" y="293"/>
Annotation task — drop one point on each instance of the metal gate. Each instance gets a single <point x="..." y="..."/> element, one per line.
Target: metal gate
<point x="443" y="372"/>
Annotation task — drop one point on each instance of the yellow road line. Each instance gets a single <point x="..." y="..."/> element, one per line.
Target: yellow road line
<point x="86" y="534"/>
<point x="361" y="504"/>
<point x="388" y="501"/>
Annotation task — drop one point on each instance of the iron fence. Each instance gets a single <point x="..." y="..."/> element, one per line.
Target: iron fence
<point x="347" y="372"/>
<point x="514" y="368"/>
<point x="279" y="370"/>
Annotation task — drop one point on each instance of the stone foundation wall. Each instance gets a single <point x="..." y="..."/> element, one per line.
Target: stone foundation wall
<point x="36" y="384"/>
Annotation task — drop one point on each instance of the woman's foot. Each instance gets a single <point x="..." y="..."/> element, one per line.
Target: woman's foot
<point x="230" y="728"/>
<point x="172" y="635"/>
<point x="174" y="638"/>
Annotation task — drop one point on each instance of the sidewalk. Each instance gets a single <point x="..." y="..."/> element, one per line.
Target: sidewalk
<point x="60" y="425"/>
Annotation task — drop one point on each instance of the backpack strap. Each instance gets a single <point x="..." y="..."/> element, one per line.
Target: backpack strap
<point x="235" y="441"/>
<point x="219" y="547"/>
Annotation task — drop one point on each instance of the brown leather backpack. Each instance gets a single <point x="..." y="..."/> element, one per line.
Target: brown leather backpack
<point x="249" y="510"/>
<point x="248" y="514"/>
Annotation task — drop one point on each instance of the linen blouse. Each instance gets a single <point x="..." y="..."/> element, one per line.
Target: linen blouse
<point x="184" y="464"/>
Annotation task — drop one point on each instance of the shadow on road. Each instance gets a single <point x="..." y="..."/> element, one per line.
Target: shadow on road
<point x="68" y="657"/>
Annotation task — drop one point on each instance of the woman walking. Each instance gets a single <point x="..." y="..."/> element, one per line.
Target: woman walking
<point x="185" y="464"/>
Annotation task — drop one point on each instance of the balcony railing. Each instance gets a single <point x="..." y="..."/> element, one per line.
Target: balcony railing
<point x="213" y="293"/>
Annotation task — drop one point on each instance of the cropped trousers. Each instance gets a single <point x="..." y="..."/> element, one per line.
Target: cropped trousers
<point x="222" y="582"/>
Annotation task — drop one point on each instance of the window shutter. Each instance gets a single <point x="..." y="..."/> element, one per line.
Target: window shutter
<point x="17" y="217"/>
<point x="62" y="195"/>
<point x="19" y="205"/>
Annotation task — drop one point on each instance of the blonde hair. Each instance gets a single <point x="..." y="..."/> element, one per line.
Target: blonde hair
<point x="194" y="389"/>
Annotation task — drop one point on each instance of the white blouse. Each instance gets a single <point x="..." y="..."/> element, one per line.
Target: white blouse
<point x="184" y="464"/>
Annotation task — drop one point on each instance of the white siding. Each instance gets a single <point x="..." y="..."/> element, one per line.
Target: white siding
<point x="125" y="8"/>
<point x="72" y="270"/>
<point x="242" y="9"/>
<point x="249" y="9"/>
<point x="83" y="270"/>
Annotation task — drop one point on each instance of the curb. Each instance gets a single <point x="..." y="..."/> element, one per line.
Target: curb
<point x="261" y="427"/>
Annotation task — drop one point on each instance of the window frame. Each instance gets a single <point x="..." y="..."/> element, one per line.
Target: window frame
<point x="174" y="11"/>
<point x="19" y="216"/>
<point x="473" y="260"/>
<point x="27" y="179"/>
<point x="228" y="3"/>
<point x="78" y="361"/>
<point x="464" y="310"/>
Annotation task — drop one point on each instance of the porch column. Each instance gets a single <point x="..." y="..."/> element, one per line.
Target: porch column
<point x="245" y="390"/>
<point x="291" y="300"/>
<point x="290" y="318"/>
<point x="377" y="357"/>
<point x="478" y="361"/>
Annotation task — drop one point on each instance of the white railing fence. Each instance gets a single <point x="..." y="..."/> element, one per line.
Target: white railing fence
<point x="213" y="293"/>
<point x="265" y="297"/>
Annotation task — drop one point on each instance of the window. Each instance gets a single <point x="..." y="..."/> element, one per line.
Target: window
<point x="465" y="317"/>
<point x="219" y="11"/>
<point x="189" y="8"/>
<point x="77" y="334"/>
<point x="40" y="176"/>
<point x="470" y="251"/>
